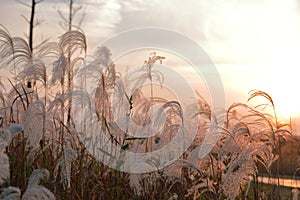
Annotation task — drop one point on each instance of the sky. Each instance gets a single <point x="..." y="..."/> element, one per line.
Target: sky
<point x="254" y="44"/>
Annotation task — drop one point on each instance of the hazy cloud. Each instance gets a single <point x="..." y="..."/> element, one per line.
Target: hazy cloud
<point x="231" y="31"/>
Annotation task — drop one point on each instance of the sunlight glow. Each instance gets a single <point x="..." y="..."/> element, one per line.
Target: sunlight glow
<point x="279" y="80"/>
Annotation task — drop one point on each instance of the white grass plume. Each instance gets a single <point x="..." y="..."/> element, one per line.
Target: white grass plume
<point x="4" y="168"/>
<point x="60" y="67"/>
<point x="36" y="191"/>
<point x="14" y="51"/>
<point x="10" y="193"/>
<point x="295" y="193"/>
<point x="5" y="139"/>
<point x="34" y="70"/>
<point x="72" y="41"/>
<point x="15" y="129"/>
<point x="34" y="124"/>
<point x="38" y="175"/>
<point x="65" y="165"/>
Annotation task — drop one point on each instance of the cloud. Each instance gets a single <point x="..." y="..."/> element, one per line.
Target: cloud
<point x="101" y="21"/>
<point x="231" y="31"/>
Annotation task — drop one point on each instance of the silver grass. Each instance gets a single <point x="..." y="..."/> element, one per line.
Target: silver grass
<point x="34" y="71"/>
<point x="38" y="126"/>
<point x="15" y="129"/>
<point x="138" y="77"/>
<point x="36" y="191"/>
<point x="58" y="101"/>
<point x="14" y="92"/>
<point x="4" y="168"/>
<point x="76" y="63"/>
<point x="65" y="165"/>
<point x="36" y="176"/>
<point x="22" y="53"/>
<point x="295" y="192"/>
<point x="5" y="139"/>
<point x="70" y="47"/>
<point x="209" y="141"/>
<point x="102" y="101"/>
<point x="100" y="69"/>
<point x="135" y="183"/>
<point x="35" y="128"/>
<point x="153" y="58"/>
<point x="243" y="166"/>
<point x="155" y="76"/>
<point x="2" y="98"/>
<point x="78" y="98"/>
<point x="142" y="183"/>
<point x="197" y="190"/>
<point x="238" y="173"/>
<point x="98" y="62"/>
<point x="6" y="42"/>
<point x="14" y="51"/>
<point x="60" y="67"/>
<point x="245" y="140"/>
<point x="2" y="86"/>
<point x="49" y="49"/>
<point x="232" y="184"/>
<point x="140" y="111"/>
<point x="16" y="98"/>
<point x="10" y="193"/>
<point x="6" y="48"/>
<point x="249" y="137"/>
<point x="3" y="94"/>
<point x="72" y="41"/>
<point x="141" y="115"/>
<point x="102" y="55"/>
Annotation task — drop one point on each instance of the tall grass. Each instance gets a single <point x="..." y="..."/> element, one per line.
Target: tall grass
<point x="42" y="155"/>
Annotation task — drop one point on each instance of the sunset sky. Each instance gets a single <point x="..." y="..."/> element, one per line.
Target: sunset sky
<point x="254" y="44"/>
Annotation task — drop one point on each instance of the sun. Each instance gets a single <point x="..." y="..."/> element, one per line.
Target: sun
<point x="287" y="105"/>
<point x="282" y="86"/>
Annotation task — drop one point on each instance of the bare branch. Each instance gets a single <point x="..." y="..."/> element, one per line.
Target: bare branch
<point x="25" y="18"/>
<point x="81" y="19"/>
<point x="66" y="2"/>
<point x="63" y="25"/>
<point x="75" y="10"/>
<point x="40" y="1"/>
<point x="25" y="4"/>
<point x="26" y="35"/>
<point x="38" y="22"/>
<point x="62" y="16"/>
